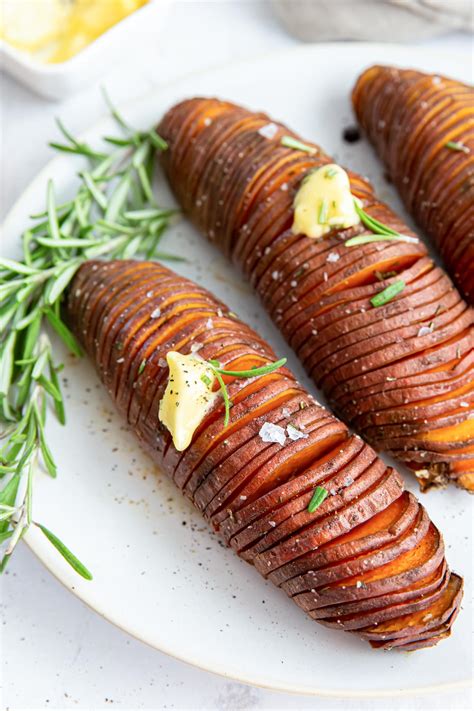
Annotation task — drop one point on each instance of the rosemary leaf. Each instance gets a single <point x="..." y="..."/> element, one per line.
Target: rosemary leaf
<point x="319" y="495"/>
<point x="63" y="332"/>
<point x="383" y="297"/>
<point x="73" y="561"/>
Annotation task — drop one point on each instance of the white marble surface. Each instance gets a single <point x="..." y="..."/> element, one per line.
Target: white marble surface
<point x="55" y="652"/>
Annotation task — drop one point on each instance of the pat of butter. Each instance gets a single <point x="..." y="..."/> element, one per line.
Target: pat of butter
<point x="188" y="397"/>
<point x="323" y="202"/>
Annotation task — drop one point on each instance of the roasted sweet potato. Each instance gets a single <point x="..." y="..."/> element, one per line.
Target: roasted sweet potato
<point x="367" y="557"/>
<point x="400" y="374"/>
<point x="422" y="126"/>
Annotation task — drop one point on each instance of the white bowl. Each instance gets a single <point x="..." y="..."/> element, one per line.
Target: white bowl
<point x="56" y="81"/>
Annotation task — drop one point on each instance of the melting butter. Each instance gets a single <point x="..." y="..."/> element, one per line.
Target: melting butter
<point x="55" y="30"/>
<point x="324" y="202"/>
<point x="188" y="397"/>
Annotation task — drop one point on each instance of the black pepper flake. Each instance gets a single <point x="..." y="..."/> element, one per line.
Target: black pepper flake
<point x="351" y="134"/>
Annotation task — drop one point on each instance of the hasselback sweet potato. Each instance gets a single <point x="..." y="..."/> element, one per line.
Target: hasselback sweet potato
<point x="402" y="373"/>
<point x="367" y="558"/>
<point x="422" y="126"/>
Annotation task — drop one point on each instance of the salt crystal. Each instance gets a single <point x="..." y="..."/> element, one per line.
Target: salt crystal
<point x="207" y="121"/>
<point x="333" y="257"/>
<point x="162" y="363"/>
<point x="286" y="412"/>
<point x="275" y="275"/>
<point x="464" y="404"/>
<point x="268" y="131"/>
<point x="243" y="498"/>
<point x="425" y="331"/>
<point x="272" y="433"/>
<point x="149" y="294"/>
<point x="294" y="433"/>
<point x="359" y="584"/>
<point x="209" y="323"/>
<point x="293" y="283"/>
<point x="272" y="524"/>
<point x="120" y="360"/>
<point x="156" y="313"/>
<point x="325" y="275"/>
<point x="284" y="187"/>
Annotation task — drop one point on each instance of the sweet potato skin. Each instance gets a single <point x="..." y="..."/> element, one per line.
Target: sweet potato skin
<point x="238" y="186"/>
<point x="411" y="118"/>
<point x="256" y="494"/>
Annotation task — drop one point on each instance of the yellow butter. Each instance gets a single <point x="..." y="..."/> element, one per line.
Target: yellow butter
<point x="55" y="30"/>
<point x="188" y="397"/>
<point x="324" y="202"/>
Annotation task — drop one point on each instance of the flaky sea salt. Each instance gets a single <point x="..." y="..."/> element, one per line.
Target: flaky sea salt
<point x="272" y="433"/>
<point x="425" y="331"/>
<point x="333" y="257"/>
<point x="156" y="313"/>
<point x="269" y="130"/>
<point x="275" y="275"/>
<point x="294" y="433"/>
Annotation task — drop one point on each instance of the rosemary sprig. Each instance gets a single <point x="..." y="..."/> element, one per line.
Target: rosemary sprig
<point x="112" y="215"/>
<point x="383" y="232"/>
<point x="252" y="373"/>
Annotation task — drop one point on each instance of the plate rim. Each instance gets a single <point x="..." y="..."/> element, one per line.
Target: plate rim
<point x="38" y="549"/>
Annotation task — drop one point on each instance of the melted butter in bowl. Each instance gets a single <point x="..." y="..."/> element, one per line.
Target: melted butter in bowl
<point x="53" y="31"/>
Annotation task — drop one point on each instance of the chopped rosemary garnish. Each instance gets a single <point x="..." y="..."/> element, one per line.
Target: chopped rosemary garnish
<point x="252" y="373"/>
<point x="320" y="493"/>
<point x="113" y="214"/>
<point x="323" y="212"/>
<point x="206" y="380"/>
<point x="383" y="297"/>
<point x="290" y="142"/>
<point x="367" y="238"/>
<point x="457" y="146"/>
<point x="383" y="232"/>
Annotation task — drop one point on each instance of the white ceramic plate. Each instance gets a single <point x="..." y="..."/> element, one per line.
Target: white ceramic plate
<point x="159" y="573"/>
